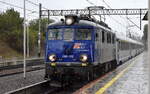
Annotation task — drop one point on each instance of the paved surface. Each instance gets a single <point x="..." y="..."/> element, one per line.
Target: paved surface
<point x="134" y="80"/>
<point x="9" y="83"/>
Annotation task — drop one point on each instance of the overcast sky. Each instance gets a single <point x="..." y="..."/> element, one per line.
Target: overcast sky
<point x="79" y="4"/>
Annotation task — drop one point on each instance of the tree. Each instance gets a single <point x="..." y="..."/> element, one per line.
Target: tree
<point x="34" y="26"/>
<point x="11" y="27"/>
<point x="33" y="29"/>
<point x="10" y="20"/>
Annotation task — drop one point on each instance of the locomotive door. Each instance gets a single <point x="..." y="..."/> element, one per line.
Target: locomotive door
<point x="97" y="45"/>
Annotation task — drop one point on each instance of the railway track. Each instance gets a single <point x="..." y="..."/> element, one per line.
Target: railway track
<point x="8" y="72"/>
<point x="77" y="87"/>
<point x="19" y="65"/>
<point x="44" y="87"/>
<point x="18" y="68"/>
<point x="38" y="88"/>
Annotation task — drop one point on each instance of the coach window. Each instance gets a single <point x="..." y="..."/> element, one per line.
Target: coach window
<point x="103" y="36"/>
<point x="131" y="46"/>
<point x="125" y="46"/>
<point x="110" y="38"/>
<point x="120" y="45"/>
<point x="113" y="38"/>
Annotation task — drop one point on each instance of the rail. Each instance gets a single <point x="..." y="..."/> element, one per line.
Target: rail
<point x="16" y="61"/>
<point x="31" y="89"/>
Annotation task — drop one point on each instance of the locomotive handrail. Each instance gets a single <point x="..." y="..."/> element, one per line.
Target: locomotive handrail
<point x="91" y="52"/>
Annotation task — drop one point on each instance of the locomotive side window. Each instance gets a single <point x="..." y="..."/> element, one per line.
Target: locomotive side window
<point x="108" y="38"/>
<point x="83" y="34"/>
<point x="68" y="34"/>
<point x="103" y="37"/>
<point x="96" y="36"/>
<point x="55" y="34"/>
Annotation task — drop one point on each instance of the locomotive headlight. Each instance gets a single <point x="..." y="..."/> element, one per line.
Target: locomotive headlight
<point x="52" y="57"/>
<point x="69" y="20"/>
<point x="83" y="58"/>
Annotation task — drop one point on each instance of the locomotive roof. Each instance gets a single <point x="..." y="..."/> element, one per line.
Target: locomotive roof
<point x="126" y="39"/>
<point x="81" y="23"/>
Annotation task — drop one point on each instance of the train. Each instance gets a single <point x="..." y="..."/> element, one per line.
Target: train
<point x="81" y="47"/>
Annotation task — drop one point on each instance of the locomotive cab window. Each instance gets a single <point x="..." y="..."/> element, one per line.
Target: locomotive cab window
<point x="68" y="34"/>
<point x="83" y="34"/>
<point x="55" y="34"/>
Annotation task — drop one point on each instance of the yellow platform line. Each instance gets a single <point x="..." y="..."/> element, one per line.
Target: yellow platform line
<point x="110" y="83"/>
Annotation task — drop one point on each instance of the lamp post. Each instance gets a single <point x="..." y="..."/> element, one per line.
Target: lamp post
<point x="39" y="33"/>
<point x="28" y="38"/>
<point x="24" y="42"/>
<point x="28" y="35"/>
<point x="149" y="40"/>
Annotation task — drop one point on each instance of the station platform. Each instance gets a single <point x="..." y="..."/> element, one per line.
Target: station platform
<point x="129" y="78"/>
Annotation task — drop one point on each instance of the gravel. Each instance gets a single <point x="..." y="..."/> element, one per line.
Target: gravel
<point x="9" y="83"/>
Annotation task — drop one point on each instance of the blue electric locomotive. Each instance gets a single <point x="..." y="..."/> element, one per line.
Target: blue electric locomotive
<point x="77" y="46"/>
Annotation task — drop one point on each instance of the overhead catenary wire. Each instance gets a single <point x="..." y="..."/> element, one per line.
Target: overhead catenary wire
<point x="106" y="4"/>
<point x="109" y="15"/>
<point x="6" y="3"/>
<point x="133" y="23"/>
<point x="90" y="2"/>
<point x="35" y="4"/>
<point x="119" y="15"/>
<point x="112" y="17"/>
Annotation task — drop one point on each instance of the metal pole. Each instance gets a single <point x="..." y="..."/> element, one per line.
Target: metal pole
<point x="127" y="27"/>
<point x="148" y="60"/>
<point x="28" y="47"/>
<point x="89" y="12"/>
<point x="24" y="42"/>
<point x="140" y="19"/>
<point x="48" y="17"/>
<point x="39" y="33"/>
